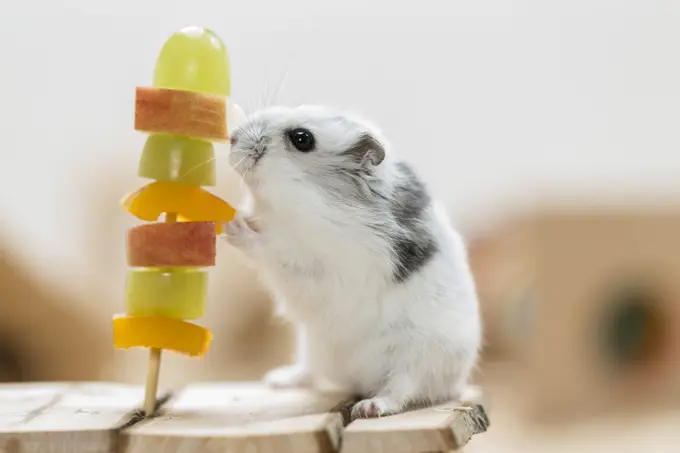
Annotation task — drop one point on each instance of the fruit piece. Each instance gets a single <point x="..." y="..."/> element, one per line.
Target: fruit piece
<point x="166" y="244"/>
<point x="190" y="202"/>
<point x="194" y="59"/>
<point x="175" y="158"/>
<point x="236" y="116"/>
<point x="218" y="226"/>
<point x="173" y="292"/>
<point x="160" y="333"/>
<point x="185" y="113"/>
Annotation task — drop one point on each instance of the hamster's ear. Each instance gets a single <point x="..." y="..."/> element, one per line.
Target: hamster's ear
<point x="367" y="151"/>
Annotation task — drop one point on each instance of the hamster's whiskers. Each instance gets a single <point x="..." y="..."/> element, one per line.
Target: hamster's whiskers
<point x="264" y="99"/>
<point x="279" y="88"/>
<point x="237" y="168"/>
<point x="248" y="129"/>
<point x="250" y="167"/>
<point x="238" y="164"/>
<point x="198" y="166"/>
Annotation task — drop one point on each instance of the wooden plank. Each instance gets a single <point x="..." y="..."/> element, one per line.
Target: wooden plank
<point x="441" y="428"/>
<point x="64" y="417"/>
<point x="240" y="417"/>
<point x="210" y="418"/>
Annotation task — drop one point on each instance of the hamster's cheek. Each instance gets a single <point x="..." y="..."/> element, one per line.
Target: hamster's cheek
<point x="276" y="171"/>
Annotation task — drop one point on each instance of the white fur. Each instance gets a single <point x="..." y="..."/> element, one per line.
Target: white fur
<point x="331" y="275"/>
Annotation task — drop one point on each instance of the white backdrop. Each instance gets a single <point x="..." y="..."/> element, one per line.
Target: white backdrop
<point x="492" y="100"/>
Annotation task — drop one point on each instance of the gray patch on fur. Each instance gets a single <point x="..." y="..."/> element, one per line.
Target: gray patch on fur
<point x="351" y="183"/>
<point x="403" y="225"/>
<point x="348" y="177"/>
<point x="415" y="245"/>
<point x="351" y="178"/>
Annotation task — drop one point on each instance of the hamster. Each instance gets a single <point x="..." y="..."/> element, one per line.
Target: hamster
<point x="359" y="257"/>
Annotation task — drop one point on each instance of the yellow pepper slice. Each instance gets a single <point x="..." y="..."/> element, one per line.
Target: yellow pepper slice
<point x="178" y="293"/>
<point x="190" y="202"/>
<point x="161" y="333"/>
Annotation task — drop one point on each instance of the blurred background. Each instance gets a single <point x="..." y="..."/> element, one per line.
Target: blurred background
<point x="509" y="109"/>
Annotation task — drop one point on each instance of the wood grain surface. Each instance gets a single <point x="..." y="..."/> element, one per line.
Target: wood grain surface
<point x="217" y="417"/>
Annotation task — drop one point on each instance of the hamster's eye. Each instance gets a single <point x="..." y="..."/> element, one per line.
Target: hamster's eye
<point x="302" y="140"/>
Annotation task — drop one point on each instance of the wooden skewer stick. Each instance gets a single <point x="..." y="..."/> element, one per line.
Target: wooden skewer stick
<point x="152" y="381"/>
<point x="154" y="361"/>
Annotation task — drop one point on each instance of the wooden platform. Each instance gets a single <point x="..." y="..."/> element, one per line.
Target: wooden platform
<point x="211" y="418"/>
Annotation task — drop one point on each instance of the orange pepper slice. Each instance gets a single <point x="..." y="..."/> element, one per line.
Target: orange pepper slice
<point x="161" y="333"/>
<point x="191" y="203"/>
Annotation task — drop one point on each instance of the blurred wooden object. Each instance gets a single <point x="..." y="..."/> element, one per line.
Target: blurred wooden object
<point x="205" y="418"/>
<point x="501" y="260"/>
<point x="588" y="300"/>
<point x="43" y="334"/>
<point x="10" y="367"/>
<point x="511" y="432"/>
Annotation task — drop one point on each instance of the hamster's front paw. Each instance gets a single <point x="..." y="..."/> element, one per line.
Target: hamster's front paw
<point x="292" y="376"/>
<point x="239" y="233"/>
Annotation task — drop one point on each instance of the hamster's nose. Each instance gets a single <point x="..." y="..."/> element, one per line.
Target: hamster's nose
<point x="233" y="140"/>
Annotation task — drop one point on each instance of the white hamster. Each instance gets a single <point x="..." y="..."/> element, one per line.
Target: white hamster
<point x="359" y="257"/>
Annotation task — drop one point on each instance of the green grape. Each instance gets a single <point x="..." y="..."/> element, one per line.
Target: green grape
<point x="194" y="59"/>
<point x="175" y="158"/>
<point x="179" y="293"/>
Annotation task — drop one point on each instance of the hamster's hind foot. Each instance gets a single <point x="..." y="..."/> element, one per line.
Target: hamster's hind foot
<point x="291" y="376"/>
<point x="374" y="407"/>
